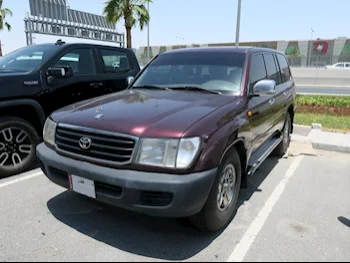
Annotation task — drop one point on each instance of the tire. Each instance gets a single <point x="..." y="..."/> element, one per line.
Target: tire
<point x="18" y="140"/>
<point x="212" y="218"/>
<point x="282" y="148"/>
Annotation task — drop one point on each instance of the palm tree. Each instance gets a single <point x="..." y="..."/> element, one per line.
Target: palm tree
<point x="133" y="11"/>
<point x="3" y="13"/>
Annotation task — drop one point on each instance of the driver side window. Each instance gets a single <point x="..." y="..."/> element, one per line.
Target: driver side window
<point x="80" y="60"/>
<point x="257" y="70"/>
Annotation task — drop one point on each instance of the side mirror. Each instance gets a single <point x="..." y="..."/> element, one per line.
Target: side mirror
<point x="63" y="72"/>
<point x="264" y="88"/>
<point x="129" y="80"/>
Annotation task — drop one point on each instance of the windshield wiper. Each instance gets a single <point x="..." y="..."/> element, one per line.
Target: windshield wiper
<point x="196" y="88"/>
<point x="149" y="87"/>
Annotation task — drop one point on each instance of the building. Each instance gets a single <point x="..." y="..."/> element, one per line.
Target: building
<point x="301" y="53"/>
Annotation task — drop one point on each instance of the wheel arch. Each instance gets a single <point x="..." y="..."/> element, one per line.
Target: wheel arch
<point x="27" y="109"/>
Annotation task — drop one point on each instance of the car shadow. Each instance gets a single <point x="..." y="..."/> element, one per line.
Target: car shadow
<point x="344" y="220"/>
<point x="164" y="239"/>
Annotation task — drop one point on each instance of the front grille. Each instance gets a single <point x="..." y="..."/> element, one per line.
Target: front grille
<point x="105" y="146"/>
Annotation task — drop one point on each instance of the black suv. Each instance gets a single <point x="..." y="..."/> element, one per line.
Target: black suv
<point x="37" y="80"/>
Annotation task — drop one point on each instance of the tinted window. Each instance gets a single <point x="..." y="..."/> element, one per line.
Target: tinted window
<point x="27" y="59"/>
<point x="284" y="68"/>
<point x="115" y="61"/>
<point x="80" y="60"/>
<point x="348" y="65"/>
<point x="257" y="69"/>
<point x="340" y="65"/>
<point x="272" y="71"/>
<point x="217" y="71"/>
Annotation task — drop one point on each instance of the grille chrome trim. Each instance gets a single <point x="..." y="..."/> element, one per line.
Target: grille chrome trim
<point x="96" y="133"/>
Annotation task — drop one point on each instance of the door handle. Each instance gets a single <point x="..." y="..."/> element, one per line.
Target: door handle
<point x="96" y="84"/>
<point x="272" y="101"/>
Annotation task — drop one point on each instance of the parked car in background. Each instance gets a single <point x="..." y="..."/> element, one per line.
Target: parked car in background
<point x="182" y="139"/>
<point x="340" y="65"/>
<point x="37" y="80"/>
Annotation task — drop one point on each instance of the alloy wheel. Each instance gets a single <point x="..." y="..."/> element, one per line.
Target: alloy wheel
<point x="15" y="147"/>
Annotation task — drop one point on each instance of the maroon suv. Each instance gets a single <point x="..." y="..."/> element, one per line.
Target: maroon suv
<point x="182" y="139"/>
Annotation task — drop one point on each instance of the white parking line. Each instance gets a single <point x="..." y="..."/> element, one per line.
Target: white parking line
<point x="27" y="177"/>
<point x="244" y="245"/>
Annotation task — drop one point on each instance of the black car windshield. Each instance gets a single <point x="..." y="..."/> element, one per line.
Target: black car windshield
<point x="212" y="70"/>
<point x="26" y="59"/>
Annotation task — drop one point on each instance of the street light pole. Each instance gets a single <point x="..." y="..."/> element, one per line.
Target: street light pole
<point x="148" y="51"/>
<point x="238" y="22"/>
<point x="310" y="51"/>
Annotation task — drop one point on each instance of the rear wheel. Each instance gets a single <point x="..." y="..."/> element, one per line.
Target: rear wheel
<point x="221" y="205"/>
<point x="282" y="148"/>
<point x="18" y="140"/>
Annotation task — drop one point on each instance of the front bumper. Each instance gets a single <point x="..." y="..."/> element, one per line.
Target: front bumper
<point x="155" y="194"/>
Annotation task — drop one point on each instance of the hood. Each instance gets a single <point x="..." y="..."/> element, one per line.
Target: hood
<point x="14" y="84"/>
<point x="145" y="113"/>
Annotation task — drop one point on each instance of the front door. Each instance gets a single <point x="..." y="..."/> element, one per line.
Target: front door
<point x="261" y="108"/>
<point x="84" y="84"/>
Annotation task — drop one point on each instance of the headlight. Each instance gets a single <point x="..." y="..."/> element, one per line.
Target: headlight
<point x="171" y="153"/>
<point x="49" y="132"/>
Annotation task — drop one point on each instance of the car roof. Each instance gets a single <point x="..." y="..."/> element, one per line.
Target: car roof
<point x="224" y="49"/>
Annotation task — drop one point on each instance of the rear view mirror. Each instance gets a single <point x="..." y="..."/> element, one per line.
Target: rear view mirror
<point x="264" y="88"/>
<point x="63" y="72"/>
<point x="129" y="80"/>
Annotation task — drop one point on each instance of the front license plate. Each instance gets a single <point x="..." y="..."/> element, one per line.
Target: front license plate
<point x="83" y="186"/>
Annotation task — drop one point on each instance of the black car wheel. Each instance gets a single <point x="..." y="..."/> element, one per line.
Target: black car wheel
<point x="18" y="140"/>
<point x="282" y="148"/>
<point x="221" y="205"/>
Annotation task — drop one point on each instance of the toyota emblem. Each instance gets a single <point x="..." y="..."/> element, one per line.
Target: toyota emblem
<point x="85" y="143"/>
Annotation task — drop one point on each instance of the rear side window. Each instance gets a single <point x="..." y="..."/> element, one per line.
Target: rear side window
<point x="282" y="61"/>
<point x="271" y="67"/>
<point x="257" y="70"/>
<point x="115" y="61"/>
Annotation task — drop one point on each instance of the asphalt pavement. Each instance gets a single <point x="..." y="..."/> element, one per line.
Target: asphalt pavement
<point x="323" y="90"/>
<point x="295" y="209"/>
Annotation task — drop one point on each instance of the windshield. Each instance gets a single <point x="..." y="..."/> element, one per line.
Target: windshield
<point x="216" y="71"/>
<point x="26" y="59"/>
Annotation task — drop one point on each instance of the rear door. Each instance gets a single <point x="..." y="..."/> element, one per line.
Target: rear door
<point x="277" y="105"/>
<point x="118" y="64"/>
<point x="260" y="107"/>
<point x="285" y="89"/>
<point x="84" y="84"/>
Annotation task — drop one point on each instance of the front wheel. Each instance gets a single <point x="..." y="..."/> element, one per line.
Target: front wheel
<point x="18" y="140"/>
<point x="221" y="205"/>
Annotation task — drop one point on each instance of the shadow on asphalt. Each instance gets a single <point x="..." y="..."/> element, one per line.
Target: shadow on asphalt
<point x="344" y="220"/>
<point x="165" y="239"/>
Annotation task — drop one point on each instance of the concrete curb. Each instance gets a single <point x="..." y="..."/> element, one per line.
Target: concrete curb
<point x="328" y="141"/>
<point x="323" y="140"/>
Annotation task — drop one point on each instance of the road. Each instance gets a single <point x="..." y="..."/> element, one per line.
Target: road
<point x="324" y="90"/>
<point x="295" y="209"/>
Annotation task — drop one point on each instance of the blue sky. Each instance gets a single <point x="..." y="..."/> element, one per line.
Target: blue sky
<point x="199" y="21"/>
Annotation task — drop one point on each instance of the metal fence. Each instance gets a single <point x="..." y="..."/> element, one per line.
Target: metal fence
<point x="316" y="61"/>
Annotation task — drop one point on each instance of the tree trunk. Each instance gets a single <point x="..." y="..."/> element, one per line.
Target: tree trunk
<point x="128" y="37"/>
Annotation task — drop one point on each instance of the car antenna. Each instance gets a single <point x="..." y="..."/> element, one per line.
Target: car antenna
<point x="60" y="42"/>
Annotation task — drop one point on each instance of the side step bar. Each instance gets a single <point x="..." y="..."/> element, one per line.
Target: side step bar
<point x="261" y="155"/>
